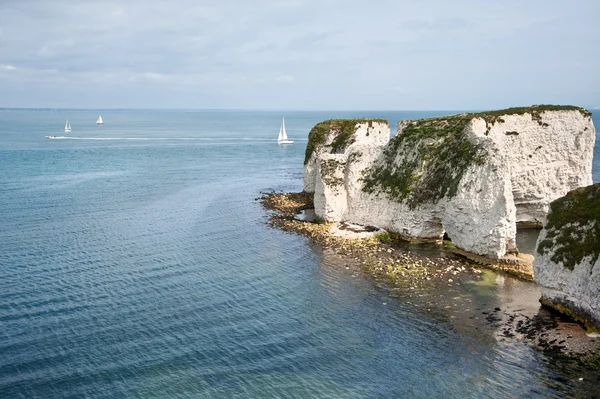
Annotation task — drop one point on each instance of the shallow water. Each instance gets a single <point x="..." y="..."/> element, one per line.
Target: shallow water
<point x="143" y="268"/>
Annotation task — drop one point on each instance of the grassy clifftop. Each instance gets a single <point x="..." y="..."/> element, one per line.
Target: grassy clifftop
<point x="533" y="109"/>
<point x="343" y="130"/>
<point x="438" y="148"/>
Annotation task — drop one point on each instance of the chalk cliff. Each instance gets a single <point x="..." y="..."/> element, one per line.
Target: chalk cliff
<point x="549" y="153"/>
<point x="471" y="176"/>
<point x="567" y="265"/>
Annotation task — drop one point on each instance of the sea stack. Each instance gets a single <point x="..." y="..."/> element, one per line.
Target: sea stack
<point x="567" y="263"/>
<point x="470" y="176"/>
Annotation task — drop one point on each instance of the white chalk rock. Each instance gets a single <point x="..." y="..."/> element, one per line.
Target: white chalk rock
<point x="567" y="265"/>
<point x="550" y="153"/>
<point x="471" y="176"/>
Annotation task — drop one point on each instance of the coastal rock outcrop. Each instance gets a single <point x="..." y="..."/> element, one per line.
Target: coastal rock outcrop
<point x="567" y="265"/>
<point x="336" y="136"/>
<point x="549" y="150"/>
<point x="470" y="176"/>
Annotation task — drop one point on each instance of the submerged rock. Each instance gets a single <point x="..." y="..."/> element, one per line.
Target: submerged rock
<point x="567" y="265"/>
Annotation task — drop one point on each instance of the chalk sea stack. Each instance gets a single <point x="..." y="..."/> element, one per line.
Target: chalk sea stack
<point x="567" y="262"/>
<point x="471" y="176"/>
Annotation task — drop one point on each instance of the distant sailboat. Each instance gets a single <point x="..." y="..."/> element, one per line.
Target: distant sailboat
<point x="99" y="121"/>
<point x="283" y="138"/>
<point x="67" y="127"/>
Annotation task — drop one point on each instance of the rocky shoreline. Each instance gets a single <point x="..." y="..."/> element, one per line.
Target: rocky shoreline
<point x="371" y="254"/>
<point x="400" y="264"/>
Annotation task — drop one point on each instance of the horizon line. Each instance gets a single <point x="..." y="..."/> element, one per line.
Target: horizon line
<point x="259" y="109"/>
<point x="221" y="109"/>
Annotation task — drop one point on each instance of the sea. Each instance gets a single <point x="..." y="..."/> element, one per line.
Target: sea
<point x="136" y="262"/>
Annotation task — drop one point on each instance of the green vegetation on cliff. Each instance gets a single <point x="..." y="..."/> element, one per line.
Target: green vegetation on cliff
<point x="330" y="169"/>
<point x="573" y="227"/>
<point x="492" y="116"/>
<point x="343" y="129"/>
<point x="436" y="153"/>
<point x="535" y="111"/>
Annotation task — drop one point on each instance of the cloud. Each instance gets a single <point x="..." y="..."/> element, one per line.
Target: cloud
<point x="154" y="76"/>
<point x="285" y="78"/>
<point x="459" y="54"/>
<point x="118" y="14"/>
<point x="437" y="24"/>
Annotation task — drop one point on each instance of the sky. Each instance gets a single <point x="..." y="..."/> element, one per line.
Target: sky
<point x="299" y="54"/>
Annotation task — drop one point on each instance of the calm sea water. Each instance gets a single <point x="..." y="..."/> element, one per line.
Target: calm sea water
<point x="135" y="262"/>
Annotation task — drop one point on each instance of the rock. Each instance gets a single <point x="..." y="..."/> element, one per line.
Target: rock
<point x="551" y="155"/>
<point x="567" y="265"/>
<point x="470" y="176"/>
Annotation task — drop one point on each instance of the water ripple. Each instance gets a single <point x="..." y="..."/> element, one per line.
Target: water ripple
<point x="144" y="268"/>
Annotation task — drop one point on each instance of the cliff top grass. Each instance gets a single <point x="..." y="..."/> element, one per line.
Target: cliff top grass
<point x="492" y="116"/>
<point x="496" y="115"/>
<point x="573" y="227"/>
<point x="343" y="129"/>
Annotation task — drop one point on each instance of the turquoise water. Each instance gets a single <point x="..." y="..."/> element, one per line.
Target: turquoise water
<point x="135" y="262"/>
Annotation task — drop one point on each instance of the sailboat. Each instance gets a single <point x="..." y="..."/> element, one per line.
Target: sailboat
<point x="67" y="130"/>
<point x="99" y="121"/>
<point x="283" y="138"/>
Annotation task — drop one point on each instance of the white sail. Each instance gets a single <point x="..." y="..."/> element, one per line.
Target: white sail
<point x="283" y="138"/>
<point x="283" y="134"/>
<point x="99" y="121"/>
<point x="67" y="127"/>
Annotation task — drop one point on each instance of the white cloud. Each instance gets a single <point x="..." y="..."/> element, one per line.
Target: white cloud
<point x="451" y="55"/>
<point x="154" y="76"/>
<point x="45" y="51"/>
<point x="118" y="14"/>
<point x="286" y="78"/>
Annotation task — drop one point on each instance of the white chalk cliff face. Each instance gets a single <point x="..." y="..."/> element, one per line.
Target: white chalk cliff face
<point x="374" y="133"/>
<point x="479" y="218"/>
<point x="567" y="265"/>
<point x="470" y="176"/>
<point x="550" y="153"/>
